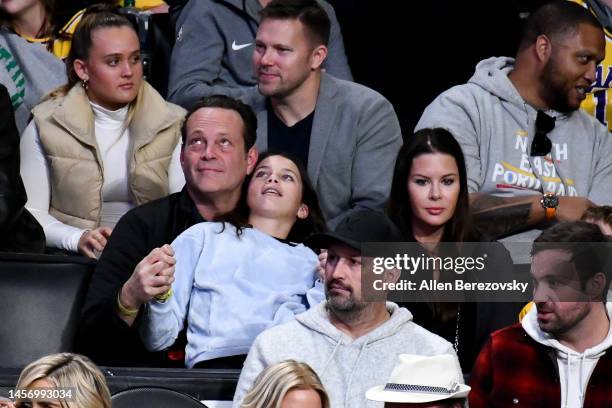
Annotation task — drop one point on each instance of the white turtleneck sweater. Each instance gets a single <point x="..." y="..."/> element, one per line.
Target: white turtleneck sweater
<point x="114" y="148"/>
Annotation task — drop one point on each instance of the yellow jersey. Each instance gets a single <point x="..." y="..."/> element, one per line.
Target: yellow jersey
<point x="61" y="45"/>
<point x="598" y="102"/>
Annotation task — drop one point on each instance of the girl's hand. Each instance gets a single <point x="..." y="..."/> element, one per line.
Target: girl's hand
<point x="94" y="240"/>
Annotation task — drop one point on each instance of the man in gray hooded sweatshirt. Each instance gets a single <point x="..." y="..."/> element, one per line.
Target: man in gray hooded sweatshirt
<point x="532" y="155"/>
<point x="350" y="343"/>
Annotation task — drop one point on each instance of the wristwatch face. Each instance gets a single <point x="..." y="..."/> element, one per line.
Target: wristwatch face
<point x="550" y="201"/>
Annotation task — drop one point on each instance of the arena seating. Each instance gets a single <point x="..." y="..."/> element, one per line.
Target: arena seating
<point x="42" y="296"/>
<point x="153" y="397"/>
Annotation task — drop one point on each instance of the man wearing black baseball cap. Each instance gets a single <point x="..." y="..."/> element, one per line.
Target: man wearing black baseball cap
<point x="342" y="274"/>
<point x="351" y="344"/>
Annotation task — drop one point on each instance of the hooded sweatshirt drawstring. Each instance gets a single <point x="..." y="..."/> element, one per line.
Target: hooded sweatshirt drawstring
<point x="581" y="359"/>
<point x="348" y="387"/>
<point x="331" y="357"/>
<point x="580" y="370"/>
<point x="567" y="377"/>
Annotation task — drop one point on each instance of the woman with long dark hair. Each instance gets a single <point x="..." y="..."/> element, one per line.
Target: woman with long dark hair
<point x="429" y="201"/>
<point x="235" y="279"/>
<point x="429" y="197"/>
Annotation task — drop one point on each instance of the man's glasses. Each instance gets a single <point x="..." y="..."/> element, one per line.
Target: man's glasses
<point x="541" y="144"/>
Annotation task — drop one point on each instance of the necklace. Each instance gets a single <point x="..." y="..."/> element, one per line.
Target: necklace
<point x="456" y="343"/>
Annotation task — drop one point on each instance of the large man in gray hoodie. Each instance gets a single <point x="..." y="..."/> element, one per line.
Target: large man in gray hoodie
<point x="521" y="131"/>
<point x="351" y="344"/>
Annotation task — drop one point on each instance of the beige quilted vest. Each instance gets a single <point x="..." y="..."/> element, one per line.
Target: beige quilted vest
<point x="66" y="129"/>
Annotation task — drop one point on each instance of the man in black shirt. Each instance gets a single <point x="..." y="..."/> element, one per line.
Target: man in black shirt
<point x="137" y="263"/>
<point x="347" y="135"/>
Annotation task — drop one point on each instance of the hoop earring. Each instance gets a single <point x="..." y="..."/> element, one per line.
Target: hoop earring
<point x="85" y="84"/>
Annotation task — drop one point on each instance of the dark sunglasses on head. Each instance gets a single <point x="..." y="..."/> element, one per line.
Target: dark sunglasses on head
<point x="541" y="144"/>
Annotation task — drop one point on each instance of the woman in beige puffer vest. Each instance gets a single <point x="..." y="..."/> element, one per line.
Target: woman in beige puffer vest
<point x="102" y="144"/>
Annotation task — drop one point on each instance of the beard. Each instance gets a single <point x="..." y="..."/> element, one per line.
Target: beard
<point x="343" y="304"/>
<point x="562" y="323"/>
<point x="555" y="89"/>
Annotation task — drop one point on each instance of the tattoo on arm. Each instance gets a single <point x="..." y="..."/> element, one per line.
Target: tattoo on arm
<point x="499" y="217"/>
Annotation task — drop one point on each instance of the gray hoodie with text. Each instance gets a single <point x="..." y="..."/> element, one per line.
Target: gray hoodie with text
<point x="495" y="128"/>
<point x="347" y="367"/>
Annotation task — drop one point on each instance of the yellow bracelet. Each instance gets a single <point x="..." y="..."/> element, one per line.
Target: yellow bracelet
<point x="164" y="296"/>
<point x="125" y="311"/>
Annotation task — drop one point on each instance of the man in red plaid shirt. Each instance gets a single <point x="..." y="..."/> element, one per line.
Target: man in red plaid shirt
<point x="558" y="355"/>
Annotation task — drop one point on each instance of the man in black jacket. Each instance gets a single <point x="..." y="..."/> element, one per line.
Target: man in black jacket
<point x="137" y="263"/>
<point x="19" y="230"/>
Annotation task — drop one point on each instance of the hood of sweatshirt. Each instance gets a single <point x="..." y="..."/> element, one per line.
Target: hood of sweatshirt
<point x="566" y="356"/>
<point x="318" y="321"/>
<point x="531" y="326"/>
<point x="347" y="367"/>
<point x="492" y="75"/>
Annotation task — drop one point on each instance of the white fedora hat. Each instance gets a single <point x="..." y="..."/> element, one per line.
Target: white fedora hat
<point x="421" y="379"/>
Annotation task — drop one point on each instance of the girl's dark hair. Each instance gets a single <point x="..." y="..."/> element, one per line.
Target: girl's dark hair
<point x="436" y="140"/>
<point x="315" y="222"/>
<point x="95" y="17"/>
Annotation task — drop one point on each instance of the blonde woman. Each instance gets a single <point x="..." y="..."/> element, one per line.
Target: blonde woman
<point x="71" y="376"/>
<point x="288" y="384"/>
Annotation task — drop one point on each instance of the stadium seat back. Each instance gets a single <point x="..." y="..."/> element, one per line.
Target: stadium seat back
<point x="153" y="397"/>
<point x="41" y="296"/>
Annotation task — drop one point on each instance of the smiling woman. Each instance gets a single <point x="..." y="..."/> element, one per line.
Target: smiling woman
<point x="103" y="143"/>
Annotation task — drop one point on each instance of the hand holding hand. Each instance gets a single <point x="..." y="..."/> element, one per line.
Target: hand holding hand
<point x="153" y="276"/>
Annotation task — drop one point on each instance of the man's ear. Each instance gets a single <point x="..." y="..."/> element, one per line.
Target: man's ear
<point x="392" y="275"/>
<point x="252" y="156"/>
<point x="80" y="68"/>
<point x="595" y="286"/>
<point x="303" y="212"/>
<point x="317" y="57"/>
<point x="543" y="48"/>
